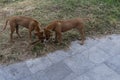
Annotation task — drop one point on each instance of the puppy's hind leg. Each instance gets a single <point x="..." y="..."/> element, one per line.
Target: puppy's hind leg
<point x="56" y="37"/>
<point x="17" y="31"/>
<point x="12" y="27"/>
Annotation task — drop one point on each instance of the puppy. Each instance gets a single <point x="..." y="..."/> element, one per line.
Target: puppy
<point x="60" y="26"/>
<point x="27" y="22"/>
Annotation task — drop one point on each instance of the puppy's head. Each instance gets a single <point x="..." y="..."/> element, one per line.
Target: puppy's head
<point x="48" y="34"/>
<point x="40" y="35"/>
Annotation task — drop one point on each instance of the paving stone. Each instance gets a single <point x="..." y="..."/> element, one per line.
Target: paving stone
<point x="28" y="78"/>
<point x="106" y="45"/>
<point x="96" y="55"/>
<point x="36" y="76"/>
<point x="101" y="72"/>
<point x="17" y="71"/>
<point x="58" y="56"/>
<point x="103" y="38"/>
<point x="110" y="44"/>
<point x="89" y="42"/>
<point x="58" y="71"/>
<point x="4" y="75"/>
<point x="10" y="79"/>
<point x="115" y="50"/>
<point x="115" y="38"/>
<point x="114" y="63"/>
<point x="79" y="63"/>
<point x="2" y="66"/>
<point x="70" y="76"/>
<point x="76" y="48"/>
<point x="41" y="75"/>
<point x="38" y="64"/>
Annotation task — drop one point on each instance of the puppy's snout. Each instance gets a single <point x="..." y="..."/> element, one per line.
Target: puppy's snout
<point x="45" y="40"/>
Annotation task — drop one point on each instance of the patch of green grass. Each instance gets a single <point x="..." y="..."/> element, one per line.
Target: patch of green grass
<point x="38" y="47"/>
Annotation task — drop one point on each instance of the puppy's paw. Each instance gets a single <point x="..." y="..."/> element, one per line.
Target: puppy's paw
<point x="81" y="43"/>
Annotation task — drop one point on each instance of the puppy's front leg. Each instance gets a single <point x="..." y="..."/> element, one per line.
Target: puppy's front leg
<point x="17" y="31"/>
<point x="56" y="37"/>
<point x="82" y="35"/>
<point x="59" y="37"/>
<point x="58" y="34"/>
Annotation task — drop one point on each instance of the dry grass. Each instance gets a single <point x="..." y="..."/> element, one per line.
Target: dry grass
<point x="105" y="19"/>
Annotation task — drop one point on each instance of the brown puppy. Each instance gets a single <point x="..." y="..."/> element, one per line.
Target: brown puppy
<point x="30" y="23"/>
<point x="60" y="26"/>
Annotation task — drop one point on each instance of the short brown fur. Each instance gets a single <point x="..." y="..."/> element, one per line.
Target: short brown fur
<point x="60" y="26"/>
<point x="27" y="22"/>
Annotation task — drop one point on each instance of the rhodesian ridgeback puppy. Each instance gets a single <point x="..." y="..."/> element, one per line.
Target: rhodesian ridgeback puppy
<point x="27" y="22"/>
<point x="60" y="26"/>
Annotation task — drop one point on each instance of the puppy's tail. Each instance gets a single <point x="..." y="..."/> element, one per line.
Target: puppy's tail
<point x="5" y="25"/>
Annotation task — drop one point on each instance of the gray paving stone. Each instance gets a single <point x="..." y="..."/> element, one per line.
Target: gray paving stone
<point x="4" y="75"/>
<point x="2" y="66"/>
<point x="17" y="71"/>
<point x="89" y="42"/>
<point x="10" y="79"/>
<point x="58" y="71"/>
<point x="115" y="38"/>
<point x="106" y="45"/>
<point x="58" y="56"/>
<point x="79" y="63"/>
<point x="96" y="55"/>
<point x="38" y="64"/>
<point x="30" y="77"/>
<point x="103" y="38"/>
<point x="36" y="76"/>
<point x="114" y="63"/>
<point x="101" y="72"/>
<point x="115" y="50"/>
<point x="70" y="76"/>
<point x="41" y="75"/>
<point x="76" y="48"/>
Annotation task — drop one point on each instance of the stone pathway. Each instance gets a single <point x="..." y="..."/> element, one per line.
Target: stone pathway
<point x="97" y="59"/>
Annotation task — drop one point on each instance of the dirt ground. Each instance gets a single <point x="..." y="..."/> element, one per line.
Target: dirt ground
<point x="20" y="50"/>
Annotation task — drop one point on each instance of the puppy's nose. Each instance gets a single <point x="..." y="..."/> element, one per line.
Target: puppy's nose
<point x="45" y="40"/>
